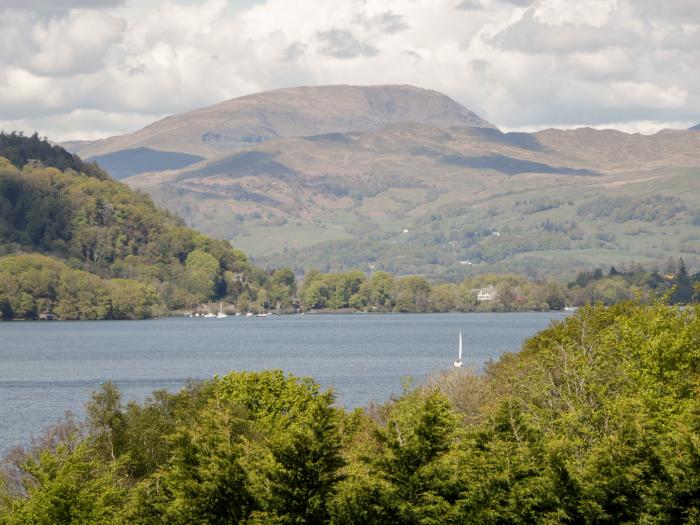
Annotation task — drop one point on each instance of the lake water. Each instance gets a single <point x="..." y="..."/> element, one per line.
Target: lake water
<point x="47" y="368"/>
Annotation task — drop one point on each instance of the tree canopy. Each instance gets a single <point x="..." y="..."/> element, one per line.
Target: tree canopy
<point x="595" y="420"/>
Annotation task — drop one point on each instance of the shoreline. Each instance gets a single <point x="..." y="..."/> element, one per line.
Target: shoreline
<point x="177" y="315"/>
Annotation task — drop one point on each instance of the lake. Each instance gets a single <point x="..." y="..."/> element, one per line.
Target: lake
<point x="47" y="368"/>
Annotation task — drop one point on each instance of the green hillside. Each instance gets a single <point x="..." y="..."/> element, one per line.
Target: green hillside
<point x="108" y="251"/>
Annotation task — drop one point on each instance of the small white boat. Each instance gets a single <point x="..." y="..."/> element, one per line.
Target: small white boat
<point x="209" y="313"/>
<point x="249" y="314"/>
<point x="221" y="313"/>
<point x="458" y="363"/>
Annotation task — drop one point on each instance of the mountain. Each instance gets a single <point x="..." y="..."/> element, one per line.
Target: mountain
<point x="239" y="123"/>
<point x="695" y="128"/>
<point x="407" y="180"/>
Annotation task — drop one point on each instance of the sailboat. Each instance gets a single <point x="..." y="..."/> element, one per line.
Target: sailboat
<point x="458" y="363"/>
<point x="209" y="313"/>
<point x="221" y="313"/>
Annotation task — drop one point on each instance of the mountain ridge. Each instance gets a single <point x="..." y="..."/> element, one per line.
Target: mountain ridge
<point x="240" y="122"/>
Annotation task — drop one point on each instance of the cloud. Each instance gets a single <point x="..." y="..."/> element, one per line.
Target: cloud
<point x="341" y="43"/>
<point x="294" y="51"/>
<point x="80" y="124"/>
<point x="530" y="35"/>
<point x="680" y="11"/>
<point x="52" y="6"/>
<point x="89" y="68"/>
<point x="386" y="22"/>
<point x="470" y="5"/>
<point x="78" y="43"/>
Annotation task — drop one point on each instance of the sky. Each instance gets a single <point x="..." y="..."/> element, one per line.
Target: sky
<point x="87" y="69"/>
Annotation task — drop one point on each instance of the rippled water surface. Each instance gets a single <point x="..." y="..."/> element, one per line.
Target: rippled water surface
<point x="47" y="368"/>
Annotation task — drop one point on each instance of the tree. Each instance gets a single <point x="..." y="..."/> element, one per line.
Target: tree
<point x="683" y="291"/>
<point x="202" y="271"/>
<point x="205" y="479"/>
<point x="307" y="463"/>
<point x="413" y="443"/>
<point x="106" y="421"/>
<point x="67" y="485"/>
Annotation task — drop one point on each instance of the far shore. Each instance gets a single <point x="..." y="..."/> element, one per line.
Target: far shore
<point x="329" y="311"/>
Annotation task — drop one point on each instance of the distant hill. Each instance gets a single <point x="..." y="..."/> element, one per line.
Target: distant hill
<point x="303" y="111"/>
<point x="407" y="180"/>
<point x="695" y="128"/>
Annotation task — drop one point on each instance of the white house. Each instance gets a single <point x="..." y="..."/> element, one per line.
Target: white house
<point x="486" y="294"/>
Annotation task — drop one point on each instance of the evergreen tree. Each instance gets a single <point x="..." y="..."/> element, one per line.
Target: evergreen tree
<point x="205" y="479"/>
<point x="308" y="460"/>
<point x="683" y="291"/>
<point x="414" y="442"/>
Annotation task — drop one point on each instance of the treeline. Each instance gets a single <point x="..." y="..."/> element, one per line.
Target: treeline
<point x="674" y="283"/>
<point x="94" y="224"/>
<point x="21" y="150"/>
<point x="596" y="420"/>
<point x="34" y="285"/>
<point x="382" y="292"/>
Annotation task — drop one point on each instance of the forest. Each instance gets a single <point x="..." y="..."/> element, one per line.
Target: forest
<point x="595" y="420"/>
<point x="106" y="250"/>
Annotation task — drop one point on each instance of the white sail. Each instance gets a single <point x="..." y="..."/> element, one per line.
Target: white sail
<point x="458" y="363"/>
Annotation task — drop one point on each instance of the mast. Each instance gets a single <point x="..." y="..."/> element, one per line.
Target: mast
<point x="460" y="345"/>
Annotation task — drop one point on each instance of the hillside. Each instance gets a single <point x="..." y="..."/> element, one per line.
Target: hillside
<point x="406" y="180"/>
<point x="416" y="199"/>
<point x="81" y="245"/>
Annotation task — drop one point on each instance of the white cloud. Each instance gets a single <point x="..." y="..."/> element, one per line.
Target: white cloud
<point x="78" y="43"/>
<point x="80" y="124"/>
<point x="57" y="5"/>
<point x="87" y="68"/>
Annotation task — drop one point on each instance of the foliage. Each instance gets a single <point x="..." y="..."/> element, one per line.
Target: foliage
<point x="622" y="209"/>
<point x="595" y="420"/>
<point x="21" y="150"/>
<point x="73" y="212"/>
<point x="386" y="293"/>
<point x="34" y="284"/>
